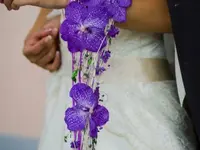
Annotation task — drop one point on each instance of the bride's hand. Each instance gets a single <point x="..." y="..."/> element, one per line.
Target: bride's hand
<point x="42" y="47"/>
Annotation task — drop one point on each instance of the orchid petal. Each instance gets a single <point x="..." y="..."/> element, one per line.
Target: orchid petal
<point x="68" y="29"/>
<point x="100" y="115"/>
<point x="96" y="40"/>
<point x="113" y="31"/>
<point x="74" y="12"/>
<point x="124" y="3"/>
<point x="75" y="42"/>
<point x="116" y="12"/>
<point x="75" y="119"/>
<point x="74" y="46"/>
<point x="93" y="129"/>
<point x="83" y="95"/>
<point x="92" y="3"/>
<point x="97" y="17"/>
<point x="120" y="14"/>
<point x="97" y="93"/>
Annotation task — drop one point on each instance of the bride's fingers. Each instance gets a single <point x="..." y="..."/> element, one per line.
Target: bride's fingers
<point x="43" y="33"/>
<point x="47" y="58"/>
<point x="35" y="37"/>
<point x="56" y="63"/>
<point x="54" y="33"/>
<point x="37" y="51"/>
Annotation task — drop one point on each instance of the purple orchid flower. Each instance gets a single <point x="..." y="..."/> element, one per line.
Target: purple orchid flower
<point x="75" y="144"/>
<point x="116" y="8"/>
<point x="87" y="110"/>
<point x="84" y="27"/>
<point x="100" y="70"/>
<point x="106" y="55"/>
<point x="113" y="31"/>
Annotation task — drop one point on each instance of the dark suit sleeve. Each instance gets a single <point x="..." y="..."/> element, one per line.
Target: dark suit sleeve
<point x="185" y="16"/>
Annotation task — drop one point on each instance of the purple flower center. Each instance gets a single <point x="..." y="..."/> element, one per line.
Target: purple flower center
<point x="106" y="55"/>
<point x="86" y="109"/>
<point x="85" y="29"/>
<point x="91" y="110"/>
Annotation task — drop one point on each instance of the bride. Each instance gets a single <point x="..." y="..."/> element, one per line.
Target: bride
<point x="138" y="89"/>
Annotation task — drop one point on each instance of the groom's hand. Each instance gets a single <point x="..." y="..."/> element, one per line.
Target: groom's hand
<point x="51" y="4"/>
<point x="16" y="4"/>
<point x="41" y="48"/>
<point x="9" y="4"/>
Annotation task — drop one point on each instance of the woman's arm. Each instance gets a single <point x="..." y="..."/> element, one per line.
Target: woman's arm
<point x="148" y="16"/>
<point x="40" y="21"/>
<point x="143" y="15"/>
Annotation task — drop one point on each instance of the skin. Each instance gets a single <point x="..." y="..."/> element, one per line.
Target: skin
<point x="41" y="45"/>
<point x="54" y="4"/>
<point x="148" y="16"/>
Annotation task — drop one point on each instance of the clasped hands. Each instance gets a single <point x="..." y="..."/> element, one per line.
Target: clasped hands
<point x="42" y="47"/>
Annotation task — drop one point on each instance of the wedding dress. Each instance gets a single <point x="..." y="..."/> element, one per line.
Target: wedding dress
<point x="144" y="111"/>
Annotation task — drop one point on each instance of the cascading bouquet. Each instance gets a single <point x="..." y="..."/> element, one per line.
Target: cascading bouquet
<point x="88" y="30"/>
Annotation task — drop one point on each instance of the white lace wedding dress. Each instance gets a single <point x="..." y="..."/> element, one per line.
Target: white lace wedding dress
<point x="144" y="113"/>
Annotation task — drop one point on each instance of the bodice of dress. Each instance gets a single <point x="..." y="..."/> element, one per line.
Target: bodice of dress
<point x="132" y="43"/>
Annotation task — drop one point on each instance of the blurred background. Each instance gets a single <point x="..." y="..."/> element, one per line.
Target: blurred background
<point x="22" y="84"/>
